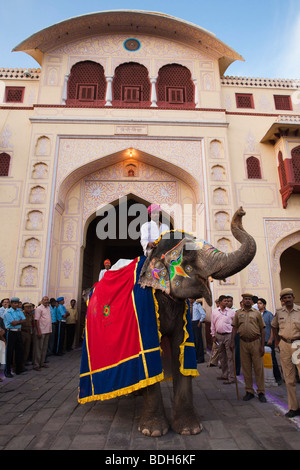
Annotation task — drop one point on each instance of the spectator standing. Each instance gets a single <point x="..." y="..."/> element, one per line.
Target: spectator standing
<point x="42" y="331"/>
<point x="221" y="328"/>
<point x="27" y="331"/>
<point x="237" y="355"/>
<point x="286" y="328"/>
<point x="13" y="321"/>
<point x="214" y="358"/>
<point x="249" y="324"/>
<point x="62" y="314"/>
<point x="71" y="325"/>
<point x="53" y="337"/>
<point x="269" y="336"/>
<point x="198" y="317"/>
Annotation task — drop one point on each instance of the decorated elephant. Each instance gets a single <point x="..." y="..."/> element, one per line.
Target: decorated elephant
<point x="154" y="290"/>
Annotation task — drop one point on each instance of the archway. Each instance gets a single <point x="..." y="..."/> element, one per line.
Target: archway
<point x="96" y="250"/>
<point x="289" y="274"/>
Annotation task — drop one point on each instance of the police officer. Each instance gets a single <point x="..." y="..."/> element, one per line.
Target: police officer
<point x="249" y="324"/>
<point x="14" y="318"/>
<point x="286" y="328"/>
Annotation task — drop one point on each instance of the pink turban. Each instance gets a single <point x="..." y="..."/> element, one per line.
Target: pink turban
<point x="154" y="207"/>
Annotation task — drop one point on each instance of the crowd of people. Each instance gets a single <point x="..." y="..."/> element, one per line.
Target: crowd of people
<point x="29" y="334"/>
<point x="239" y="337"/>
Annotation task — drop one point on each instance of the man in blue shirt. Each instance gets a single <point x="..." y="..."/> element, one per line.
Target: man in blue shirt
<point x="52" y="339"/>
<point x="269" y="340"/>
<point x="62" y="314"/>
<point x="13" y="320"/>
<point x="198" y="317"/>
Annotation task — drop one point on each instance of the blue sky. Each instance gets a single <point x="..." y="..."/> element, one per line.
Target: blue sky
<point x="265" y="32"/>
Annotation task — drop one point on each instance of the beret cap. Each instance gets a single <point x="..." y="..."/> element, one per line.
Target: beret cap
<point x="286" y="291"/>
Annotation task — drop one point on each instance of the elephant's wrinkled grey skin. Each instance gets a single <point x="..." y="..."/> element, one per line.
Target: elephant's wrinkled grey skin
<point x="199" y="261"/>
<point x="195" y="265"/>
<point x="153" y="421"/>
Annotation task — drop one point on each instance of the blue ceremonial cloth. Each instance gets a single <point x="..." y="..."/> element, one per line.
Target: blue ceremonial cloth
<point x="121" y="350"/>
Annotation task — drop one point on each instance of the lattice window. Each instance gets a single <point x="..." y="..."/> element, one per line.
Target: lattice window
<point x="14" y="94"/>
<point x="283" y="102"/>
<point x="132" y="94"/>
<point x="86" y="92"/>
<point x="244" y="100"/>
<point x="282" y="172"/>
<point x="131" y="85"/>
<point x="175" y="95"/>
<point x="175" y="86"/>
<point x="4" y="164"/>
<point x="86" y="84"/>
<point x="253" y="168"/>
<point x="296" y="163"/>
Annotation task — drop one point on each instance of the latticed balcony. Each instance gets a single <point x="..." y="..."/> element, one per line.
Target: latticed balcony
<point x="286" y="127"/>
<point x="289" y="175"/>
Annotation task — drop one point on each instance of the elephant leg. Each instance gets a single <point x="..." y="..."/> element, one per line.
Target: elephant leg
<point x="153" y="421"/>
<point x="185" y="419"/>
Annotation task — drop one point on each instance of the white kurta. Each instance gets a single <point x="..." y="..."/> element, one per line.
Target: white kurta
<point x="151" y="232"/>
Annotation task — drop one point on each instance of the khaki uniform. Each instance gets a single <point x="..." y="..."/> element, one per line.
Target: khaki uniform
<point x="249" y="324"/>
<point x="288" y="325"/>
<point x="26" y="331"/>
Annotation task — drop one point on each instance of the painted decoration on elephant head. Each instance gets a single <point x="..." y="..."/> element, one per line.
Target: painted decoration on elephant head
<point x="175" y="265"/>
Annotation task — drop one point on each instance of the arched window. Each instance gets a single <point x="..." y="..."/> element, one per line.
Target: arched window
<point x="86" y="84"/>
<point x="296" y="163"/>
<point x="4" y="164"/>
<point x="175" y="87"/>
<point x="253" y="168"/>
<point x="131" y="86"/>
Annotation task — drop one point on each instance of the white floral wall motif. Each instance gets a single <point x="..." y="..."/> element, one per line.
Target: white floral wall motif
<point x="31" y="248"/>
<point x="254" y="277"/>
<point x="28" y="277"/>
<point x="2" y="274"/>
<point x="40" y="171"/>
<point x="98" y="193"/>
<point x="67" y="268"/>
<point x="5" y="138"/>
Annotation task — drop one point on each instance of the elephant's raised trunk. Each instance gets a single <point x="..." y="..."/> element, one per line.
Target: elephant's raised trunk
<point x="228" y="264"/>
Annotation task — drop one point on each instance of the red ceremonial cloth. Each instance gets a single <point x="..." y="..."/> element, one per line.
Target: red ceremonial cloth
<point x="112" y="317"/>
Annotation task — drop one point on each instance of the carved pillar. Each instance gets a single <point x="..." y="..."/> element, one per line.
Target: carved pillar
<point x="196" y="93"/>
<point x="153" y="93"/>
<point x="65" y="89"/>
<point x="108" y="96"/>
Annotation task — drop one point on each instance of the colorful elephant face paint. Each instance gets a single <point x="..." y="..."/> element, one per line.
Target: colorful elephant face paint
<point x="202" y="244"/>
<point x="175" y="266"/>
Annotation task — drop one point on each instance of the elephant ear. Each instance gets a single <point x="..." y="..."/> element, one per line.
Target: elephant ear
<point x="160" y="267"/>
<point x="155" y="274"/>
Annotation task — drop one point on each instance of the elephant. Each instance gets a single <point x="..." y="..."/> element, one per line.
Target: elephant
<point x="178" y="268"/>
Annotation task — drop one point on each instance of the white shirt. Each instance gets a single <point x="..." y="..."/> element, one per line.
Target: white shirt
<point x="151" y="232"/>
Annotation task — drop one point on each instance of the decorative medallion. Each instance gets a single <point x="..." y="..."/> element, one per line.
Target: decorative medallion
<point x="106" y="310"/>
<point x="176" y="268"/>
<point x="132" y="44"/>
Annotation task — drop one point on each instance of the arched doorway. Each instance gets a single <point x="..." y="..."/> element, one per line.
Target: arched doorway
<point x="289" y="274"/>
<point x="116" y="247"/>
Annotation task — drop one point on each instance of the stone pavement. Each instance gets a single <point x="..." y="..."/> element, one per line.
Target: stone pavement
<point x="39" y="411"/>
